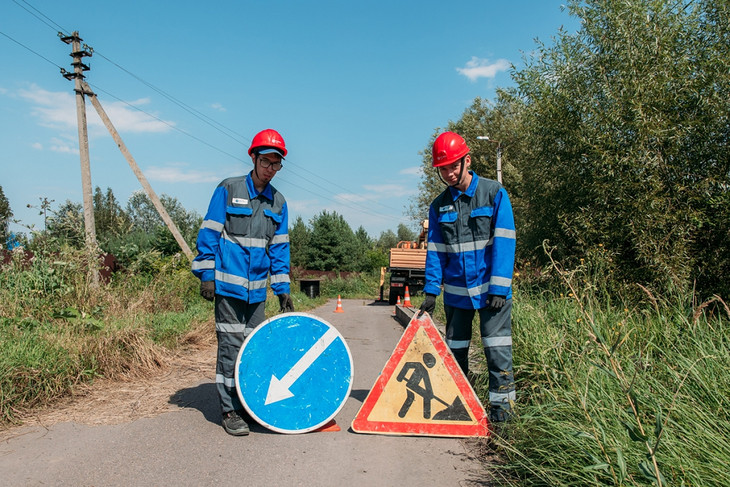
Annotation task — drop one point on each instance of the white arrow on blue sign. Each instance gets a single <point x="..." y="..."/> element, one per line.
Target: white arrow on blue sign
<point x="294" y="373"/>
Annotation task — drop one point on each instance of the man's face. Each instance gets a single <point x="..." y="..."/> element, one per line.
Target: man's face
<point x="452" y="173"/>
<point x="267" y="166"/>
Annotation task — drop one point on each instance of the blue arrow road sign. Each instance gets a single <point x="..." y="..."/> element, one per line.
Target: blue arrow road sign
<point x="294" y="373"/>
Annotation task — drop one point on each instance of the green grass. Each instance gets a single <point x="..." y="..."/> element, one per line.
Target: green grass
<point x="611" y="394"/>
<point x="56" y="331"/>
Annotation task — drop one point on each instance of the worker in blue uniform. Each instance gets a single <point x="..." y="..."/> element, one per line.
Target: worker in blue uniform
<point x="243" y="243"/>
<point x="471" y="252"/>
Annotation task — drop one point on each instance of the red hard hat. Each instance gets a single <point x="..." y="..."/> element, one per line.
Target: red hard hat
<point x="447" y="148"/>
<point x="268" y="138"/>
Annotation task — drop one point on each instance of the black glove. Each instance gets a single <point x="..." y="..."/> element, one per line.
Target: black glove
<point x="495" y="303"/>
<point x="286" y="305"/>
<point x="429" y="304"/>
<point x="207" y="290"/>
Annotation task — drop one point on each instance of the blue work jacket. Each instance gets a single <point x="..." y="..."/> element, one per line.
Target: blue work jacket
<point x="471" y="244"/>
<point x="243" y="240"/>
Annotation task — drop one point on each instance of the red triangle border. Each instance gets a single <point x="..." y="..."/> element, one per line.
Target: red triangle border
<point x="362" y="425"/>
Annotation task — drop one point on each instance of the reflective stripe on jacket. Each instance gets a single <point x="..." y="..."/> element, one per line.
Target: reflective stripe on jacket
<point x="471" y="244"/>
<point x="243" y="240"/>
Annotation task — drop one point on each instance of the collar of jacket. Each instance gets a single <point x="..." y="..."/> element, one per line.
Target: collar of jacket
<point x="252" y="193"/>
<point x="455" y="193"/>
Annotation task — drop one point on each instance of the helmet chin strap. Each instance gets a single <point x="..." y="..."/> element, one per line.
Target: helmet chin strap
<point x="256" y="168"/>
<point x="461" y="173"/>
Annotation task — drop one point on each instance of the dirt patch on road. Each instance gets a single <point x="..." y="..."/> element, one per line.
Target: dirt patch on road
<point x="139" y="394"/>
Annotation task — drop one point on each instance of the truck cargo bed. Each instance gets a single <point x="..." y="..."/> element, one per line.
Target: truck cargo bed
<point x="410" y="258"/>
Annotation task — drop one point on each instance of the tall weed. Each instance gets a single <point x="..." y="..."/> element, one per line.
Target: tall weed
<point x="617" y="394"/>
<point x="56" y="330"/>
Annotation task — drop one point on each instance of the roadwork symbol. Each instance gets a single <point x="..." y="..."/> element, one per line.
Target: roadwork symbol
<point x="422" y="391"/>
<point x="294" y="373"/>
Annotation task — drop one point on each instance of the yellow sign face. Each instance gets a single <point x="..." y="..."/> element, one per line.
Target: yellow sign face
<point x="422" y="388"/>
<point x="422" y="391"/>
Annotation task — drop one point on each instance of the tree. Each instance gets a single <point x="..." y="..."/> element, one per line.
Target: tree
<point x="6" y="214"/>
<point x="299" y="236"/>
<point x="111" y="220"/>
<point x="332" y="245"/>
<point x="625" y="142"/>
<point x="405" y="233"/>
<point x="387" y="240"/>
<point x="147" y="220"/>
<point x="66" y="224"/>
<point x="367" y="256"/>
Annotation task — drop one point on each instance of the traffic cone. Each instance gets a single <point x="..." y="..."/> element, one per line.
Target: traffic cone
<point x="397" y="303"/>
<point x="407" y="299"/>
<point x="331" y="426"/>
<point x="339" y="305"/>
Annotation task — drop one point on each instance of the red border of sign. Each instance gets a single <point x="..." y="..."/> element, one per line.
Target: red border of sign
<point x="361" y="424"/>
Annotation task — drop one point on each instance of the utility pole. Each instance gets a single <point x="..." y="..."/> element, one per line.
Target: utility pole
<point x="90" y="226"/>
<point x="138" y="172"/>
<point x="82" y="88"/>
<point x="499" y="154"/>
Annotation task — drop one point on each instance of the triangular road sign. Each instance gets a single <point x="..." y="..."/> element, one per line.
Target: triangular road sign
<point x="422" y="391"/>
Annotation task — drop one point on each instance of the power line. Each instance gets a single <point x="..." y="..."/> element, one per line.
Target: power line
<point x="201" y="116"/>
<point x="208" y="120"/>
<point x="281" y="178"/>
<point x="41" y="14"/>
<point x="31" y="50"/>
<point x="188" y="134"/>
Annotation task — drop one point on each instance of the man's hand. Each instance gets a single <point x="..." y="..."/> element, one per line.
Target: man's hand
<point x="429" y="304"/>
<point x="207" y="290"/>
<point x="286" y="305"/>
<point x="495" y="303"/>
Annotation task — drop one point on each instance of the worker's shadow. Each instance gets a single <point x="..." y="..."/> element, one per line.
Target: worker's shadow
<point x="204" y="398"/>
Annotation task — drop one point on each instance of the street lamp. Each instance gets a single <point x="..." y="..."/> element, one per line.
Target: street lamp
<point x="499" y="154"/>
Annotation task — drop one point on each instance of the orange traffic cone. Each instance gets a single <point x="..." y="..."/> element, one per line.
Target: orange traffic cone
<point x="407" y="299"/>
<point x="397" y="303"/>
<point x="331" y="426"/>
<point x="339" y="305"/>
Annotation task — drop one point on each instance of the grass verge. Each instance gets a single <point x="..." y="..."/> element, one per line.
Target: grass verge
<point x="616" y="394"/>
<point x="57" y="332"/>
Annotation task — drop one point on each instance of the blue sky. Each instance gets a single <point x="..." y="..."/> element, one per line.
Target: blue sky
<point x="355" y="88"/>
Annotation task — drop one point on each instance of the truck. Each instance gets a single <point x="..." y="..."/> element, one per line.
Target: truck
<point x="407" y="266"/>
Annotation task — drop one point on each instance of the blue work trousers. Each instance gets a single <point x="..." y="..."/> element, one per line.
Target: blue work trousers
<point x="496" y="333"/>
<point x="235" y="319"/>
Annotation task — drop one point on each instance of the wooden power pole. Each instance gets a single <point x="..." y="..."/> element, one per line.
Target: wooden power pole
<point x="82" y="88"/>
<point x="89" y="224"/>
<point x="137" y="172"/>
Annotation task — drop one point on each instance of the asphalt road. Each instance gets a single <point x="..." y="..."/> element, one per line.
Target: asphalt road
<point x="187" y="445"/>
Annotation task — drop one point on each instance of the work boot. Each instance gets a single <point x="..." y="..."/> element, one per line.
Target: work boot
<point x="499" y="414"/>
<point x="234" y="424"/>
<point x="498" y="420"/>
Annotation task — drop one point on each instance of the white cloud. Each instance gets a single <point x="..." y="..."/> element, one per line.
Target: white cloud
<point x="178" y="174"/>
<point x="397" y="190"/>
<point x="125" y="119"/>
<point x="37" y="146"/>
<point x="481" y="68"/>
<point x="411" y="171"/>
<point x="218" y="107"/>
<point x="352" y="198"/>
<point x="64" y="149"/>
<point x="55" y="109"/>
<point x="62" y="146"/>
<point x="301" y="206"/>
